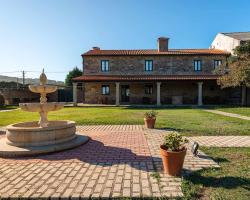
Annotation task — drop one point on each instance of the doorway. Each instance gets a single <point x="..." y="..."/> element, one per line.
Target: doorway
<point x="125" y="93"/>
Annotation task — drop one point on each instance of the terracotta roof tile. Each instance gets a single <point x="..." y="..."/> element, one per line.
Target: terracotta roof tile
<point x="156" y="52"/>
<point x="144" y="77"/>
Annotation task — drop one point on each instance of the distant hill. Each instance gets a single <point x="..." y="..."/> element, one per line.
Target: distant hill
<point x="28" y="80"/>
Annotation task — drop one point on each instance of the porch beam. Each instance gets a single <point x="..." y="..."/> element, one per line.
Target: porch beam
<point x="117" y="93"/>
<point x="158" y="94"/>
<point x="200" y="97"/>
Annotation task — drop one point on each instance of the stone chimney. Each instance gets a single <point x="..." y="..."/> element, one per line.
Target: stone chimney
<point x="96" y="48"/>
<point x="162" y="44"/>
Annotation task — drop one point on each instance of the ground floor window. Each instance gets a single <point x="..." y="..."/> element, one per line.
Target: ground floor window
<point x="148" y="89"/>
<point x="105" y="89"/>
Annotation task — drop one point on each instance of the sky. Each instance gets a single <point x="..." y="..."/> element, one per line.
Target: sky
<point x="52" y="34"/>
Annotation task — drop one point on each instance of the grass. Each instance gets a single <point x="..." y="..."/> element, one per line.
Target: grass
<point x="185" y="120"/>
<point x="230" y="182"/>
<point x="238" y="110"/>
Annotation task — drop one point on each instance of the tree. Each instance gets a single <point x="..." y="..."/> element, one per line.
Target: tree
<point x="72" y="74"/>
<point x="237" y="71"/>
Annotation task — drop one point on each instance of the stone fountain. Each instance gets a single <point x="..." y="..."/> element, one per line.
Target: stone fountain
<point x="43" y="136"/>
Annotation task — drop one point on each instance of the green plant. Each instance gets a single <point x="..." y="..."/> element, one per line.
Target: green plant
<point x="174" y="142"/>
<point x="150" y="114"/>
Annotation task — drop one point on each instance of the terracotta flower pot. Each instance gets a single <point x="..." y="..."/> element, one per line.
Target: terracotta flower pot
<point x="172" y="161"/>
<point x="149" y="122"/>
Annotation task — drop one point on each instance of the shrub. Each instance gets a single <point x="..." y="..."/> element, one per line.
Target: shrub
<point x="174" y="142"/>
<point x="150" y="114"/>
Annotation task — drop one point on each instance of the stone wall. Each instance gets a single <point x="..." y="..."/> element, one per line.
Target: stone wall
<point x="172" y="92"/>
<point x="16" y="96"/>
<point x="134" y="65"/>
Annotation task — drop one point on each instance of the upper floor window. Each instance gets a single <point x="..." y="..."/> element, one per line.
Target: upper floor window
<point x="197" y="65"/>
<point x="105" y="89"/>
<point x="105" y="65"/>
<point x="217" y="63"/>
<point x="148" y="65"/>
<point x="148" y="89"/>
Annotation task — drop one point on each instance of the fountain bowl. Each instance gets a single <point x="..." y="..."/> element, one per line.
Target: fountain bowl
<point x="42" y="88"/>
<point x="39" y="107"/>
<point x="30" y="134"/>
<point x="28" y="138"/>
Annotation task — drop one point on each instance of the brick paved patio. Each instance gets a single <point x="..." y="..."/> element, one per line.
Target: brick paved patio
<point x="222" y="141"/>
<point x="118" y="161"/>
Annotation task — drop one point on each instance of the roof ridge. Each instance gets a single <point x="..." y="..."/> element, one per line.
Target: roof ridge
<point x="236" y="32"/>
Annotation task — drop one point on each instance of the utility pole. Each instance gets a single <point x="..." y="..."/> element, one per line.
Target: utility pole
<point x="23" y="77"/>
<point x="17" y="84"/>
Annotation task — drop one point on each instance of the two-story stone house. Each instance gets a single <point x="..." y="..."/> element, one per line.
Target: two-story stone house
<point x="158" y="76"/>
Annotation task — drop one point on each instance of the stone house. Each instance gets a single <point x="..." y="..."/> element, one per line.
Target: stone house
<point x="158" y="76"/>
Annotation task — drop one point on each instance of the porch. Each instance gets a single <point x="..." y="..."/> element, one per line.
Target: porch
<point x="188" y="90"/>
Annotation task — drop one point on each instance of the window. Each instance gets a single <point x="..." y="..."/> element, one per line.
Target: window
<point x="105" y="89"/>
<point x="148" y="65"/>
<point x="217" y="63"/>
<point x="105" y="65"/>
<point x="148" y="89"/>
<point x="197" y="65"/>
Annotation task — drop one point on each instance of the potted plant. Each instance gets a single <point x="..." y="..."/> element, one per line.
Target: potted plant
<point x="173" y="152"/>
<point x="150" y="118"/>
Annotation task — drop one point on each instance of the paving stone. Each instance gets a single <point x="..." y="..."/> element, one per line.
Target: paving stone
<point x="118" y="161"/>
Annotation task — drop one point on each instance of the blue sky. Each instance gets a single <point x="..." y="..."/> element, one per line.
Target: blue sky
<point x="54" y="33"/>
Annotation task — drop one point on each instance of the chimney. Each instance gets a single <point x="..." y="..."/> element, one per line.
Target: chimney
<point x="96" y="48"/>
<point x="162" y="44"/>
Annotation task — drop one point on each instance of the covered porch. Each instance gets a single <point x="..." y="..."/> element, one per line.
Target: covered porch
<point x="152" y="90"/>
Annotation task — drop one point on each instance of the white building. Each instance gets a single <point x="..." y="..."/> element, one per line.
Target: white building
<point x="228" y="41"/>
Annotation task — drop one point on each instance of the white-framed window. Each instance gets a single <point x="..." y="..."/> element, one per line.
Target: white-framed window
<point x="104" y="65"/>
<point x="197" y="65"/>
<point x="105" y="89"/>
<point x="217" y="63"/>
<point x="148" y="65"/>
<point x="148" y="89"/>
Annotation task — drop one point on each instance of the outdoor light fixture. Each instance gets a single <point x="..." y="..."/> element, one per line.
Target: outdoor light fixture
<point x="195" y="148"/>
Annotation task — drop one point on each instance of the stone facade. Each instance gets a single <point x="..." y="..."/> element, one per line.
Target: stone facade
<point x="172" y="92"/>
<point x="134" y="65"/>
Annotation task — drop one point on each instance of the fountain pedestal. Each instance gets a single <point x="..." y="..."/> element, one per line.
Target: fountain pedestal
<point x="44" y="136"/>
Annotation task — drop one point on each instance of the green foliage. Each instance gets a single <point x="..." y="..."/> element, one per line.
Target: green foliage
<point x="72" y="74"/>
<point x="174" y="141"/>
<point x="237" y="73"/>
<point x="150" y="114"/>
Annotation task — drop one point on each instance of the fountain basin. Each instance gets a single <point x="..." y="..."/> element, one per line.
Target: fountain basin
<point x="41" y="107"/>
<point x="30" y="134"/>
<point x="42" y="88"/>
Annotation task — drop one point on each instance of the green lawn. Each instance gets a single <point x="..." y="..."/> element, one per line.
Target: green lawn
<point x="222" y="183"/>
<point x="238" y="110"/>
<point x="186" y="120"/>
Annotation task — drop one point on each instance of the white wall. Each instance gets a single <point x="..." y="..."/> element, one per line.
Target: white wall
<point x="224" y="42"/>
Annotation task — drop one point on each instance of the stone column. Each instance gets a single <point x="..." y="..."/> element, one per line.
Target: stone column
<point x="158" y="93"/>
<point x="74" y="93"/>
<point x="200" y="93"/>
<point x="117" y="93"/>
<point x="243" y="95"/>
